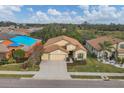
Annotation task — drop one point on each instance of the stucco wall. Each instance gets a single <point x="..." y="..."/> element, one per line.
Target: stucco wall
<point x="58" y="52"/>
<point x="45" y="56"/>
<point x="71" y="47"/>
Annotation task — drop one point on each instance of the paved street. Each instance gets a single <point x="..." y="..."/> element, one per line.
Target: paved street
<point x="27" y="83"/>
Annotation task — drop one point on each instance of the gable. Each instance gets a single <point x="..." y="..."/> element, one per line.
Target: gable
<point x="61" y="43"/>
<point x="71" y="47"/>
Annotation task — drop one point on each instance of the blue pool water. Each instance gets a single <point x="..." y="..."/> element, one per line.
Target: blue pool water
<point x="15" y="44"/>
<point x="25" y="40"/>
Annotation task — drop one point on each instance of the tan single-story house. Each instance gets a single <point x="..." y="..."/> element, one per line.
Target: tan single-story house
<point x="93" y="46"/>
<point x="61" y="47"/>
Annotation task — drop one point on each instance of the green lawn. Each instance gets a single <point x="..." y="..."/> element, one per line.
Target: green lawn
<point x="15" y="76"/>
<point x="93" y="66"/>
<point x="17" y="67"/>
<point x="116" y="77"/>
<point x="95" y="77"/>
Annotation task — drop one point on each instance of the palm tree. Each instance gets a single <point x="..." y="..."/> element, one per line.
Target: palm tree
<point x="106" y="46"/>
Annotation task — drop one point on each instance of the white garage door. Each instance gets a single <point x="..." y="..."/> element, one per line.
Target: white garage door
<point x="57" y="57"/>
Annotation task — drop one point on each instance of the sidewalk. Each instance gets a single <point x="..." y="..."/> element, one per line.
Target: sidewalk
<point x="70" y="73"/>
<point x="18" y="72"/>
<point x="96" y="74"/>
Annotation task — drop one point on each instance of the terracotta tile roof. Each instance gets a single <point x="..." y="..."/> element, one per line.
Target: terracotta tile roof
<point x="52" y="48"/>
<point x="5" y="36"/>
<point x="69" y="39"/>
<point x="7" y="42"/>
<point x="95" y="42"/>
<point x="3" y="48"/>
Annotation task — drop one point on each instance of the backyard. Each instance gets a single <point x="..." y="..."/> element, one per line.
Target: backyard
<point x="93" y="66"/>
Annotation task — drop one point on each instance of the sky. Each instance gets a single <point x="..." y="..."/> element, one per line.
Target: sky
<point x="76" y="14"/>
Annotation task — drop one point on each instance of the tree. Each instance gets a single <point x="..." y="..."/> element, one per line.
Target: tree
<point x="11" y="60"/>
<point x="106" y="46"/>
<point x="18" y="54"/>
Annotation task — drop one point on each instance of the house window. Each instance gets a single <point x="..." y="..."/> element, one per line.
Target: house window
<point x="80" y="56"/>
<point x="122" y="46"/>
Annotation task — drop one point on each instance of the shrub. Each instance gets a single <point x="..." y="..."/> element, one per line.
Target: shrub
<point x="122" y="61"/>
<point x="118" y="60"/>
<point x="18" y="54"/>
<point x="4" y="61"/>
<point x="78" y="62"/>
<point x="67" y="59"/>
<point x="84" y="62"/>
<point x="92" y="55"/>
<point x="37" y="63"/>
<point x="24" y="65"/>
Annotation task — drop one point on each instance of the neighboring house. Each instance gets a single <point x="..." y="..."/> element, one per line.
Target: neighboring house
<point x="4" y="52"/>
<point x="93" y="47"/>
<point x="18" y="42"/>
<point x="21" y="31"/>
<point x="5" y="36"/>
<point x="61" y="47"/>
<point x="15" y="31"/>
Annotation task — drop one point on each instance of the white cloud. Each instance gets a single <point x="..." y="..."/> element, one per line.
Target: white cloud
<point x="102" y="14"/>
<point x="38" y="17"/>
<point x="73" y="12"/>
<point x="84" y="7"/>
<point x="92" y="14"/>
<point x="54" y="16"/>
<point x="42" y="15"/>
<point x="7" y="12"/>
<point x="53" y="12"/>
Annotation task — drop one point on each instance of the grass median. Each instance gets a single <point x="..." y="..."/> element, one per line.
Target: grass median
<point x="85" y="77"/>
<point x="15" y="76"/>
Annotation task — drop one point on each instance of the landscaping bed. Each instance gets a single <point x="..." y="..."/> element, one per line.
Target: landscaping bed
<point x="93" y="65"/>
<point x="17" y="67"/>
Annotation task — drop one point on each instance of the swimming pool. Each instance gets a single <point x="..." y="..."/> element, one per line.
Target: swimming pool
<point x="25" y="40"/>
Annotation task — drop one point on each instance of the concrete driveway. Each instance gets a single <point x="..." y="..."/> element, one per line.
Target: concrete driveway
<point x="53" y="70"/>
